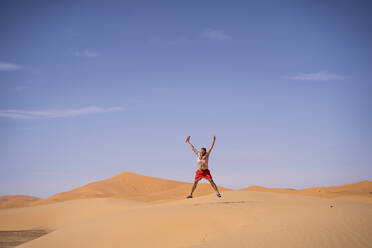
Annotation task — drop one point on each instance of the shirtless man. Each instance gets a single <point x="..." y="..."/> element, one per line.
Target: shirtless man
<point x="202" y="171"/>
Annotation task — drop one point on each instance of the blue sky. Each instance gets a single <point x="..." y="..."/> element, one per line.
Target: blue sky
<point x="89" y="89"/>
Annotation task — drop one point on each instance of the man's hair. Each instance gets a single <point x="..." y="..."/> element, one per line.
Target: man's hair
<point x="203" y="148"/>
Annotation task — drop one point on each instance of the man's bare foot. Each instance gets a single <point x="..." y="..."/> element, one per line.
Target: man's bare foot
<point x="218" y="194"/>
<point x="189" y="196"/>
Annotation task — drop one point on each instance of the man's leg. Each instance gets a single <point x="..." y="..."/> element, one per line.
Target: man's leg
<point x="214" y="185"/>
<point x="194" y="187"/>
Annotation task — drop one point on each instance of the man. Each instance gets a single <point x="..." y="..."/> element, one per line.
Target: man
<point x="203" y="171"/>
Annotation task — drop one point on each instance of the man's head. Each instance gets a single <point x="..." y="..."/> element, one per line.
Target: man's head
<point x="203" y="150"/>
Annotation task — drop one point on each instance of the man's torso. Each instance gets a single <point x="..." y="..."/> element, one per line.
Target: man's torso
<point x="203" y="161"/>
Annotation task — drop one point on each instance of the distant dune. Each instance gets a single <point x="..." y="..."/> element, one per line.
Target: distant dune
<point x="127" y="185"/>
<point x="13" y="201"/>
<point x="361" y="191"/>
<point x="133" y="186"/>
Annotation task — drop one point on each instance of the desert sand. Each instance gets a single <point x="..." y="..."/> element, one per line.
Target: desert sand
<point x="241" y="218"/>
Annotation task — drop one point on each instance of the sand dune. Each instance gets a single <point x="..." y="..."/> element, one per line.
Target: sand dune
<point x="126" y="185"/>
<point x="361" y="191"/>
<point x="12" y="201"/>
<point x="158" y="215"/>
<point x="238" y="219"/>
<point x="131" y="186"/>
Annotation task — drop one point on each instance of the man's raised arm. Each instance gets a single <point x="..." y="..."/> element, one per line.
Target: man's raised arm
<point x="211" y="147"/>
<point x="192" y="147"/>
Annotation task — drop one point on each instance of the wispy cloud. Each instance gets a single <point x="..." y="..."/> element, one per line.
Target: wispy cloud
<point x="21" y="87"/>
<point x="215" y="34"/>
<point x="86" y="53"/>
<point x="168" y="39"/>
<point x="317" y="76"/>
<point x="37" y="114"/>
<point x="5" y="66"/>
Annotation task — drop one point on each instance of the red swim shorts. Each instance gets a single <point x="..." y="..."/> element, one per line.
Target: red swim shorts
<point x="203" y="174"/>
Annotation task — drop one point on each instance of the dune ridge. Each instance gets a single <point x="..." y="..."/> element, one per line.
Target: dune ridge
<point x="360" y="191"/>
<point x="134" y="186"/>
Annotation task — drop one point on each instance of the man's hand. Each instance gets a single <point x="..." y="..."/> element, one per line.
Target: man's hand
<point x="188" y="139"/>
<point x="211" y="147"/>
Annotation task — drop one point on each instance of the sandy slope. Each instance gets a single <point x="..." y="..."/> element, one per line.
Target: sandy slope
<point x="361" y="191"/>
<point x="298" y="221"/>
<point x="239" y="219"/>
<point x="53" y="216"/>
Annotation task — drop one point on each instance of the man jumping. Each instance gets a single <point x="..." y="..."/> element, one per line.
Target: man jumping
<point x="202" y="171"/>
